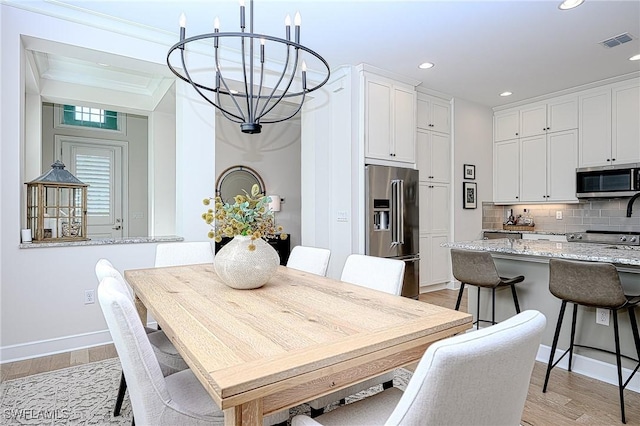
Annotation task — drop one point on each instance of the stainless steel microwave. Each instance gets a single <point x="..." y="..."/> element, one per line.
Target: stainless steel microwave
<point x="608" y="181"/>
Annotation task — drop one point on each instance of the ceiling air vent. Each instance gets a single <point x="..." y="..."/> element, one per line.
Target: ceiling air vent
<point x="617" y="40"/>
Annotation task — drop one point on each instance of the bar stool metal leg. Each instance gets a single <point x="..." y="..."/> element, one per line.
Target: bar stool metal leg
<point x="573" y="334"/>
<point x="619" y="363"/>
<point x="459" y="296"/>
<point x="493" y="306"/>
<point x="554" y="345"/>
<point x="515" y="297"/>
<point x="478" y="310"/>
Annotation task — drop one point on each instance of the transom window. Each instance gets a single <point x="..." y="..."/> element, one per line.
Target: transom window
<point x="74" y="115"/>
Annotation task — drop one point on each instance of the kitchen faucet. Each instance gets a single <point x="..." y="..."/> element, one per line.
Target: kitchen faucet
<point x="630" y="204"/>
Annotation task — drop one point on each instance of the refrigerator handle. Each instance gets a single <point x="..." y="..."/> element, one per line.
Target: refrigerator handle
<point x="394" y="213"/>
<point x="400" y="220"/>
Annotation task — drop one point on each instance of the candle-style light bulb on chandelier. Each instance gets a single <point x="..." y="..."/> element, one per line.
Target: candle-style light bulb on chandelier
<point x="253" y="105"/>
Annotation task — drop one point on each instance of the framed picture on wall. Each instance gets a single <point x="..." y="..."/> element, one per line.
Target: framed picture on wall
<point x="469" y="171"/>
<point x="469" y="192"/>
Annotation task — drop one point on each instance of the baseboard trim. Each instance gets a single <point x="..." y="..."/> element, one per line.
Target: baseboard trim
<point x="40" y="348"/>
<point x="590" y="367"/>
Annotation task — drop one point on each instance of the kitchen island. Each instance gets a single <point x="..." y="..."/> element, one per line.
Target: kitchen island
<point x="531" y="259"/>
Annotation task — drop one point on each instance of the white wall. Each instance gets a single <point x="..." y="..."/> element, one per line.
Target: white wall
<point x="41" y="289"/>
<point x="329" y="174"/>
<point x="275" y="155"/>
<point x="473" y="144"/>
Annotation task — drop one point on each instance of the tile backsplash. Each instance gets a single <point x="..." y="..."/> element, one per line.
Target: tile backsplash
<point x="601" y="214"/>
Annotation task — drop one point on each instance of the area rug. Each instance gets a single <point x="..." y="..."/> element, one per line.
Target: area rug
<point x="85" y="395"/>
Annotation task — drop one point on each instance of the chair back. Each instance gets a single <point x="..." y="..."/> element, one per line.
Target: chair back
<point x="309" y="259"/>
<point x="378" y="273"/>
<point x="183" y="253"/>
<point x="586" y="283"/>
<point x="146" y="384"/>
<point x="474" y="267"/>
<point x="477" y="378"/>
<point x="105" y="269"/>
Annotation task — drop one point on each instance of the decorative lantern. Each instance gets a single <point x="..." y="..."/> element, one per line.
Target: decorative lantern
<point x="57" y="206"/>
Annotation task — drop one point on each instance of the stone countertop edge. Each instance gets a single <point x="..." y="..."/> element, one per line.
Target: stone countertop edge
<point x="550" y="249"/>
<point x="104" y="242"/>
<point x="508" y="231"/>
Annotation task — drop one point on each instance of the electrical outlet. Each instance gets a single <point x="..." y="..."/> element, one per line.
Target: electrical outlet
<point x="89" y="297"/>
<point x="559" y="214"/>
<point x="602" y="316"/>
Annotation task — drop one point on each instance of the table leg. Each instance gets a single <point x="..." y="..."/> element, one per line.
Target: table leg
<point x="249" y="414"/>
<point x="142" y="310"/>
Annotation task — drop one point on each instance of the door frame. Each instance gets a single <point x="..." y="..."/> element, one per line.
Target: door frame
<point x="124" y="167"/>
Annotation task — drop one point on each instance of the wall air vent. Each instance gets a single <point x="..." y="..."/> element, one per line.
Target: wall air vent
<point x="617" y="40"/>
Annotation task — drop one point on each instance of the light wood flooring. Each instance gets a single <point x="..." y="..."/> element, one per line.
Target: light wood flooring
<point x="570" y="399"/>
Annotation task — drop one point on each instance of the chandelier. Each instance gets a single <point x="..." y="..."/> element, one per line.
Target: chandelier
<point x="252" y="104"/>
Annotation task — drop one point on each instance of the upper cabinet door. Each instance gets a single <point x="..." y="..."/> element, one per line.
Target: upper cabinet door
<point x="506" y="125"/>
<point x="533" y="168"/>
<point x="626" y="129"/>
<point x="594" y="139"/>
<point x="562" y="115"/>
<point x="533" y="121"/>
<point x="506" y="172"/>
<point x="378" y="127"/>
<point x="562" y="152"/>
<point x="404" y="125"/>
<point x="433" y="114"/>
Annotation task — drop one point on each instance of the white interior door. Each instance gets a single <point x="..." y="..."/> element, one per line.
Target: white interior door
<point x="101" y="164"/>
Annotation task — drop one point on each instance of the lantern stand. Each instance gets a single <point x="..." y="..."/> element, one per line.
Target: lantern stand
<point x="57" y="206"/>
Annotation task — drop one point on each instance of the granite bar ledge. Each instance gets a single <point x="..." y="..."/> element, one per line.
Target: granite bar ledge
<point x="104" y="241"/>
<point x="609" y="253"/>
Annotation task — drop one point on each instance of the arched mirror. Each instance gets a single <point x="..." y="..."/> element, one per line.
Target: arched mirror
<point x="235" y="180"/>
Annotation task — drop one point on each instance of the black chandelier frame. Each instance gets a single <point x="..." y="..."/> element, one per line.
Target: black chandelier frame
<point x="258" y="105"/>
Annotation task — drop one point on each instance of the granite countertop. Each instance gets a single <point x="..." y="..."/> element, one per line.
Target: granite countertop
<point x="576" y="251"/>
<point x="508" y="231"/>
<point x="104" y="241"/>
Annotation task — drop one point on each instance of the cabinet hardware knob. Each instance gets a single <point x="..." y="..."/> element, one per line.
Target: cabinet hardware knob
<point x="613" y="159"/>
<point x="516" y="134"/>
<point x="517" y="197"/>
<point x="608" y="159"/>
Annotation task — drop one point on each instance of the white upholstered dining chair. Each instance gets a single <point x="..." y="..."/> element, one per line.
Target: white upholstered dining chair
<point x="309" y="259"/>
<point x="177" y="399"/>
<point x="379" y="274"/>
<point x="183" y="253"/>
<point x="478" y="378"/>
<point x="155" y="399"/>
<point x="167" y="355"/>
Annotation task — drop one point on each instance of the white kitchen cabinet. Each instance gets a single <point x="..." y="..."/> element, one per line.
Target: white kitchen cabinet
<point x="554" y="116"/>
<point x="389" y="120"/>
<point x="625" y="131"/>
<point x="435" y="263"/>
<point x="506" y="125"/>
<point x="562" y="160"/>
<point x="533" y="169"/>
<point x="433" y="114"/>
<point x="506" y="171"/>
<point x="434" y="208"/>
<point x="434" y="156"/>
<point x="547" y="164"/>
<point x="595" y="128"/>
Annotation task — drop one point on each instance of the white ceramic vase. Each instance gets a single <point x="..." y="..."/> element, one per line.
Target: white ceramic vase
<point x="242" y="268"/>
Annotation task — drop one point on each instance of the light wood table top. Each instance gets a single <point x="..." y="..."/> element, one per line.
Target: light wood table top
<point x="298" y="337"/>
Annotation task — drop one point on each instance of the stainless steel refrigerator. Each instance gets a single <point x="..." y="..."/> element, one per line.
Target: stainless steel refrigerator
<point x="392" y="220"/>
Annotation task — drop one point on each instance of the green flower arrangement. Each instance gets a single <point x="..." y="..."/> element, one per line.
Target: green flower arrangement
<point x="249" y="215"/>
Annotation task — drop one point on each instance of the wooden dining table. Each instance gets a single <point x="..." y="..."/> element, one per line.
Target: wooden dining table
<point x="298" y="337"/>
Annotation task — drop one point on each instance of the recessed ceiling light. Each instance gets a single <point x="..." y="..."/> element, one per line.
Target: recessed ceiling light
<point x="506" y="94"/>
<point x="425" y="65"/>
<point x="570" y="4"/>
<point x="635" y="58"/>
